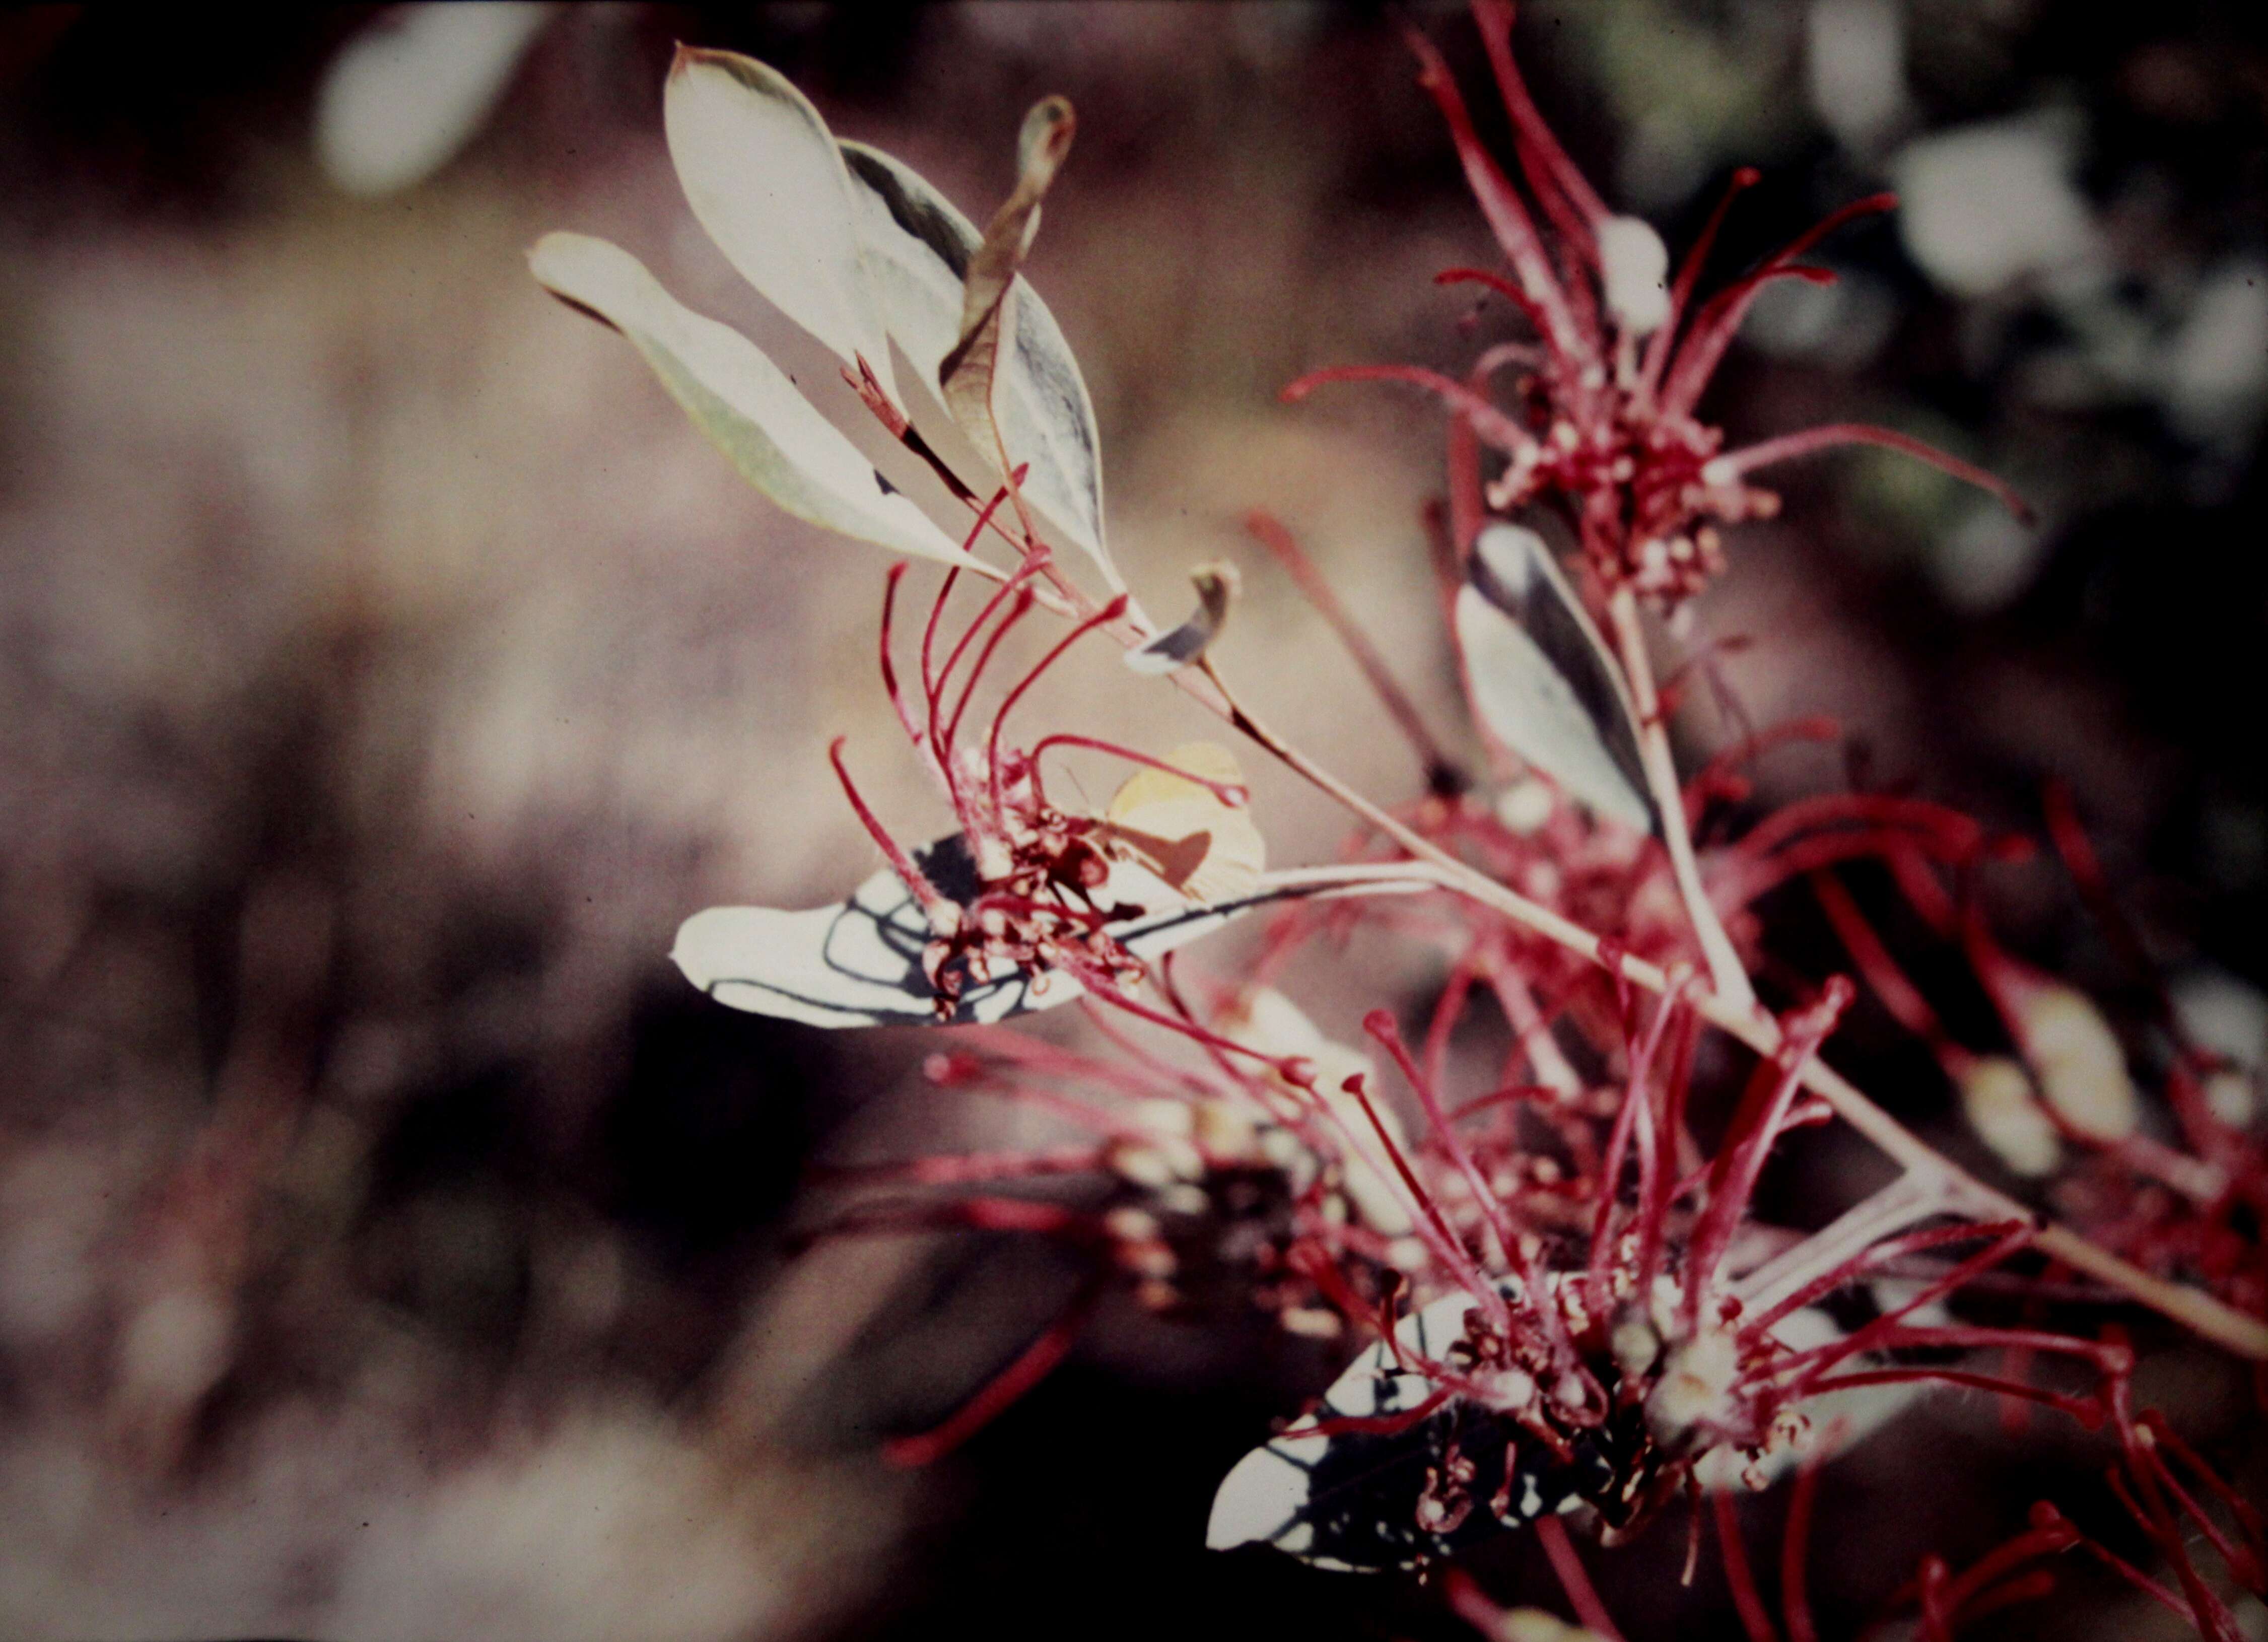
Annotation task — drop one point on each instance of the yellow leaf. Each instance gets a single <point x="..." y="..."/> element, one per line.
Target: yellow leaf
<point x="1205" y="848"/>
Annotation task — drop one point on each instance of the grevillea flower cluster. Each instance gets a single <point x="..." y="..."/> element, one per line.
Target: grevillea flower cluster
<point x="1559" y="1305"/>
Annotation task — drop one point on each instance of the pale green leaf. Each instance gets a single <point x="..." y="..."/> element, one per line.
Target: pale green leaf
<point x="740" y="400"/>
<point x="762" y="175"/>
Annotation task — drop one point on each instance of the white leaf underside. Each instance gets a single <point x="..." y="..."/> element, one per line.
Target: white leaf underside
<point x="1541" y="679"/>
<point x="740" y="400"/>
<point x="918" y="248"/>
<point x="762" y="173"/>
<point x="1346" y="1502"/>
<point x="857" y="963"/>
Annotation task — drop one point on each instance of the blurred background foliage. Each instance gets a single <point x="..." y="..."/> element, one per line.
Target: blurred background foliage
<point x="390" y="1245"/>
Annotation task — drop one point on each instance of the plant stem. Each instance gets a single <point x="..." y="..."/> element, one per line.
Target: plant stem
<point x="2193" y="1308"/>
<point x="1727" y="973"/>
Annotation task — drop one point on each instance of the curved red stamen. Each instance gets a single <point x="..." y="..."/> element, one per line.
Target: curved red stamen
<point x="1487" y="421"/>
<point x="1569" y="1567"/>
<point x="1534" y="134"/>
<point x="1034" y="1362"/>
<point x="1499" y="284"/>
<point x="1380" y="1024"/>
<point x="1021" y="607"/>
<point x="1689" y="275"/>
<point x="920" y="887"/>
<point x="1747" y="1600"/>
<point x="1449" y="1248"/>
<point x="1898" y="994"/>
<point x="1754" y="1329"/>
<point x="1942" y="828"/>
<point x="932" y="685"/>
<point x="1756" y="1124"/>
<point x="1104" y="618"/>
<point x="1721" y="316"/>
<point x="1515" y="229"/>
<point x="1633" y="1122"/>
<point x="1271" y="533"/>
<point x="1752" y="747"/>
<point x="1738" y="464"/>
<point x="1795" y="1550"/>
<point x="1234" y="794"/>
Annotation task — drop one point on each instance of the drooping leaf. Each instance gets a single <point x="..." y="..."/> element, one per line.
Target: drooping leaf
<point x="1541" y="679"/>
<point x="1217" y="586"/>
<point x="973" y="372"/>
<point x="1355" y="1500"/>
<point x="919" y="249"/>
<point x="764" y="177"/>
<point x="742" y="400"/>
<point x="858" y="962"/>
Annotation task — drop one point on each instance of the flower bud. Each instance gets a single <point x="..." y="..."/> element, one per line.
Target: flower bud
<point x="1695" y="1391"/>
<point x="1534" y="1624"/>
<point x="1634" y="267"/>
<point x="1997" y="1099"/>
<point x="2082" y="1068"/>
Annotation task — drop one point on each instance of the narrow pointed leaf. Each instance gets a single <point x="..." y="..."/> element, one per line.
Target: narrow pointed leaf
<point x="762" y="175"/>
<point x="858" y="962"/>
<point x="1541" y="679"/>
<point x="742" y="400"/>
<point x="919" y="249"/>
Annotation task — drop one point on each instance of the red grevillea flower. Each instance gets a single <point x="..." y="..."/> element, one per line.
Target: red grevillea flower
<point x="1603" y="415"/>
<point x="1573" y="1304"/>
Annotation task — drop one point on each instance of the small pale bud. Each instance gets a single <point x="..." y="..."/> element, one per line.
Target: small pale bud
<point x="1141" y="1166"/>
<point x="1407" y="1254"/>
<point x="1533" y="1624"/>
<point x="1525" y="805"/>
<point x="1224" y="1131"/>
<point x="1152" y="1261"/>
<point x="1156" y="1294"/>
<point x="2229" y="1096"/>
<point x="1166" y="1117"/>
<point x="1635" y="1346"/>
<point x="1997" y="1099"/>
<point x="1183" y="1199"/>
<point x="1156" y="1163"/>
<point x="2082" y="1069"/>
<point x="1634" y="267"/>
<point x="1311" y="1322"/>
<point x="1511" y="1389"/>
<point x="1132" y="1225"/>
<point x="1694" y="1388"/>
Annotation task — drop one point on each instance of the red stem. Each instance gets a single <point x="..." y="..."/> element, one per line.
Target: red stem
<point x="1569" y="1566"/>
<point x="1745" y="1598"/>
<point x="1034" y="1362"/>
